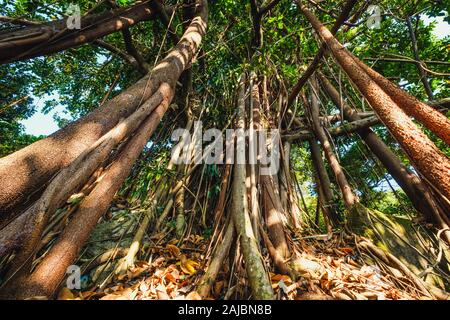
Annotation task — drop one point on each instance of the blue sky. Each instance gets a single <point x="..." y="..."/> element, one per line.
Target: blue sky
<point x="44" y="124"/>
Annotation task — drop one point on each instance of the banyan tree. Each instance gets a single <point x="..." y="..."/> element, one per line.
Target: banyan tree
<point x="225" y="149"/>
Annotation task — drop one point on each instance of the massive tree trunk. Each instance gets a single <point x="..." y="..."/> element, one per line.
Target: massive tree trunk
<point x="425" y="156"/>
<point x="46" y="277"/>
<point x="35" y="165"/>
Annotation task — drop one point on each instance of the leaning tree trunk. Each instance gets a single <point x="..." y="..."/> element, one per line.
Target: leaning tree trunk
<point x="40" y="281"/>
<point x="324" y="184"/>
<point x="47" y="276"/>
<point x="35" y="165"/>
<point x="349" y="197"/>
<point x="417" y="192"/>
<point x="425" y="156"/>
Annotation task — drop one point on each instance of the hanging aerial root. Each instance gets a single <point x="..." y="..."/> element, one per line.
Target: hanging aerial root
<point x="217" y="260"/>
<point x="256" y="273"/>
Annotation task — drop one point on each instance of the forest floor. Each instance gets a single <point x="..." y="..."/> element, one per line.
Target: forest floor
<point x="329" y="267"/>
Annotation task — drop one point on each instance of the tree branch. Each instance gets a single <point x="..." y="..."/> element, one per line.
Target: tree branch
<point x="313" y="65"/>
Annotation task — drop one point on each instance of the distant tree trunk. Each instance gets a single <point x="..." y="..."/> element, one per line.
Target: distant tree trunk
<point x="47" y="276"/>
<point x="349" y="197"/>
<point x="424" y="155"/>
<point x="422" y="72"/>
<point x="324" y="183"/>
<point x="417" y="192"/>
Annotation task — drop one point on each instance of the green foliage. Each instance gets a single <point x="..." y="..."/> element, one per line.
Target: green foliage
<point x="80" y="78"/>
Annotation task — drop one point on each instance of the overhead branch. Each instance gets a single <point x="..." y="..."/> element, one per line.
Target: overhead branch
<point x="350" y="127"/>
<point x="116" y="51"/>
<point x="51" y="37"/>
<point x="163" y="16"/>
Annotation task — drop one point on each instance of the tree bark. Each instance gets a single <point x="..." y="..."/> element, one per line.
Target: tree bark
<point x="424" y="155"/>
<point x="313" y="65"/>
<point x="417" y="192"/>
<point x="259" y="281"/>
<point x="35" y="165"/>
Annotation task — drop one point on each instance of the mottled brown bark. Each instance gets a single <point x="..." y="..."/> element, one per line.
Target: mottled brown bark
<point x="34" y="165"/>
<point x="417" y="192"/>
<point x="424" y="155"/>
<point x="217" y="261"/>
<point x="46" y="277"/>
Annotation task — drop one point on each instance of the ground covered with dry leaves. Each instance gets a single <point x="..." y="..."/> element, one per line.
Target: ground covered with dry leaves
<point x="329" y="269"/>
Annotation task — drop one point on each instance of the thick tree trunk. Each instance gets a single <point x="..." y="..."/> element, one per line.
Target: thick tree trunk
<point x="425" y="156"/>
<point x="35" y="165"/>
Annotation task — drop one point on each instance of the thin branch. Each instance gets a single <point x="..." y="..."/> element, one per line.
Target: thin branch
<point x="131" y="49"/>
<point x="116" y="51"/>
